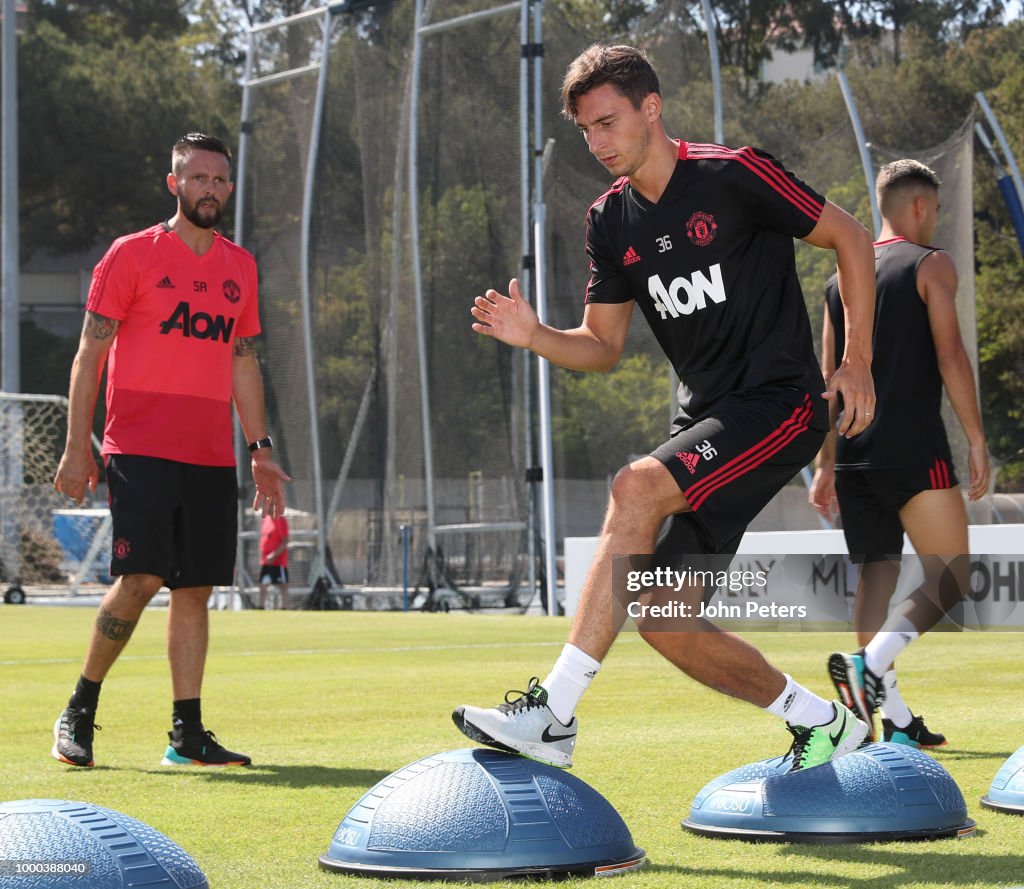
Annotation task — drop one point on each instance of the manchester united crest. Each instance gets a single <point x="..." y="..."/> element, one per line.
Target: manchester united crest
<point x="232" y="292"/>
<point x="701" y="228"/>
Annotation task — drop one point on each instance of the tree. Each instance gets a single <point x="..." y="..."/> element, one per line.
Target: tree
<point x="604" y="419"/>
<point x="750" y="31"/>
<point x="940" y="21"/>
<point x="106" y="90"/>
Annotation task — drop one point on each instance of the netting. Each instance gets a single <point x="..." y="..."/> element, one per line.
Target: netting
<point x="371" y="414"/>
<point x="279" y="130"/>
<point x="43" y="542"/>
<point x="480" y="400"/>
<point x="600" y="421"/>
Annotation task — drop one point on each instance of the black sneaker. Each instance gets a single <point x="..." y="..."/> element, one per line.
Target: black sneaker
<point x="916" y="734"/>
<point x="199" y="749"/>
<point x="859" y="689"/>
<point x="72" y="737"/>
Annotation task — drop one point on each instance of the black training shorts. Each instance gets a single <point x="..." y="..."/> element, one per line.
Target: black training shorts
<point x="273" y="574"/>
<point x="178" y="521"/>
<point x="870" y="501"/>
<point x="732" y="461"/>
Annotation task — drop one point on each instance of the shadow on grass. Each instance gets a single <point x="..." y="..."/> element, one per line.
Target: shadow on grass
<point x="282" y="776"/>
<point x="943" y="753"/>
<point x="907" y="867"/>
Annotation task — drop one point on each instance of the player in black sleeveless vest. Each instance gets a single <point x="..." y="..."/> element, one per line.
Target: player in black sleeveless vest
<point x="701" y="238"/>
<point x="898" y="475"/>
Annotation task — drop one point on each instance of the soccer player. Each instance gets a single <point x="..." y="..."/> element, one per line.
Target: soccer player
<point x="701" y="238"/>
<point x="898" y="475"/>
<point x="171" y="313"/>
<point x="274" y="558"/>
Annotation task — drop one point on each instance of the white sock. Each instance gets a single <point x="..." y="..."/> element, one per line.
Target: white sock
<point x="568" y="679"/>
<point x="798" y="706"/>
<point x="894" y="636"/>
<point x="893" y="707"/>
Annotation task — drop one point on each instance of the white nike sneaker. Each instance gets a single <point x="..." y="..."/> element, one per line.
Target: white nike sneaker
<point x="523" y="724"/>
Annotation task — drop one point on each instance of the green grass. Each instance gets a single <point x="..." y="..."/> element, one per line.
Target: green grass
<point x="327" y="703"/>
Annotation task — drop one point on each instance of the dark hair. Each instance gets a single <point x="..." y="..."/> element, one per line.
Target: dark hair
<point x="626" y="68"/>
<point x="196" y="142"/>
<point x="900" y="177"/>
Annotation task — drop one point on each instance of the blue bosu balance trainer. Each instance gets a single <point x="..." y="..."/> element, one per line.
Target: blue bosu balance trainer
<point x="880" y="792"/>
<point x="481" y="815"/>
<point x="1006" y="794"/>
<point x="58" y="844"/>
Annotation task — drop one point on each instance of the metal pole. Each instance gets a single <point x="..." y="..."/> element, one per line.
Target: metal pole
<point x="862" y="147"/>
<point x="716" y="68"/>
<point x="1011" y="161"/>
<point x="307" y="315"/>
<point x="242" y="579"/>
<point x="290" y="19"/>
<point x="460" y="20"/>
<point x="544" y="411"/>
<point x="10" y="310"/>
<point x="540" y="286"/>
<point x="11" y="372"/>
<point x="526" y="286"/>
<point x="406" y="532"/>
<point x="417" y="278"/>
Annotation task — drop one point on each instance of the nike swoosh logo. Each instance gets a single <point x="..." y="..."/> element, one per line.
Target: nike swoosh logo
<point x="548" y="738"/>
<point x="837" y="737"/>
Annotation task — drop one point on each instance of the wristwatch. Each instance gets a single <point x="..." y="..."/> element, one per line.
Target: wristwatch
<point x="261" y="443"/>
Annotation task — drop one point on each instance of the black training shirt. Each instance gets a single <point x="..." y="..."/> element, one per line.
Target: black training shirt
<point x="712" y="267"/>
<point x="907" y="431"/>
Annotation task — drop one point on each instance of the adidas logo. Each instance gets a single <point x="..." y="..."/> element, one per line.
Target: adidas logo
<point x="630" y="257"/>
<point x="690" y="461"/>
<point x="165" y="282"/>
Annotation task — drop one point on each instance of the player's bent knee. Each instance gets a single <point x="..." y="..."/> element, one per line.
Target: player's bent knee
<point x="647" y="485"/>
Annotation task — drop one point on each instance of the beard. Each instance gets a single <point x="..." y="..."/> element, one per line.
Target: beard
<point x="200" y="214"/>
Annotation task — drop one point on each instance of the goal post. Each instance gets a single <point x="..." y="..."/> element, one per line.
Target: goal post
<point x="43" y="542"/>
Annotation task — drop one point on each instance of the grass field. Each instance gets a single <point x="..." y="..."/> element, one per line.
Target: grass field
<point x="327" y="703"/>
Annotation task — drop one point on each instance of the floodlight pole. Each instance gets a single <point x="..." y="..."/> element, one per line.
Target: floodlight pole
<point x="11" y="372"/>
<point x="862" y="148"/>
<point x="716" y="68"/>
<point x="547" y="462"/>
<point x="417" y="276"/>
<point x="242" y="578"/>
<point x="10" y="375"/>
<point x="305" y="248"/>
<point x="526" y="279"/>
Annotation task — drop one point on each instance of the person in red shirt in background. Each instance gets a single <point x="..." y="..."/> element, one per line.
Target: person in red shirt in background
<point x="172" y="313"/>
<point x="274" y="558"/>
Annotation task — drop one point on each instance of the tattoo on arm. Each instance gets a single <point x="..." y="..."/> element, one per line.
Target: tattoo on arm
<point x="100" y="327"/>
<point x="244" y="345"/>
<point x="115" y="629"/>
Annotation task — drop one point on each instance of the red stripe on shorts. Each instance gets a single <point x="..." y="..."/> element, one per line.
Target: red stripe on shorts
<point x="753" y="456"/>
